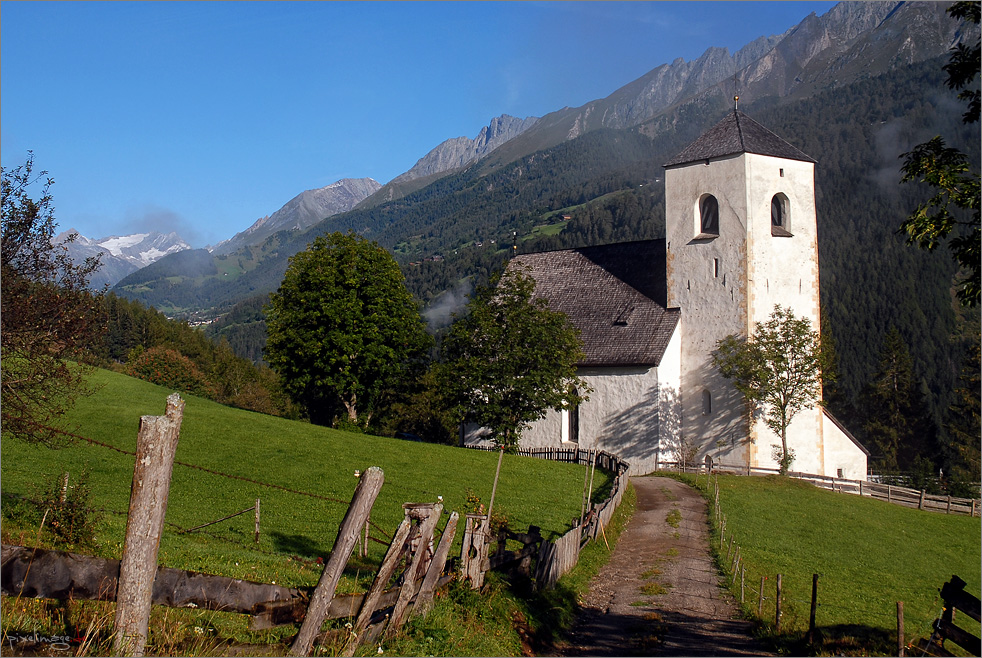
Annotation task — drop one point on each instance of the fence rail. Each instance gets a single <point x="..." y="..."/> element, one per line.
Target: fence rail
<point x="556" y="558"/>
<point x="896" y="495"/>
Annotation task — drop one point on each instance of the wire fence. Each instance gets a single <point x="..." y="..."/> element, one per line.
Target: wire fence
<point x="773" y="603"/>
<point x="270" y="485"/>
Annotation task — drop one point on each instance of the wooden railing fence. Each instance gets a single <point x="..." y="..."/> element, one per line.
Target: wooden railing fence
<point x="39" y="573"/>
<point x="552" y="559"/>
<point x="890" y="493"/>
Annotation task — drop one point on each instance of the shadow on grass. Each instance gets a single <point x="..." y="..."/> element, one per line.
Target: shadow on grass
<point x="298" y="545"/>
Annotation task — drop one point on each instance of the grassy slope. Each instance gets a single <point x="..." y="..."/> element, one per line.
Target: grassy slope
<point x="869" y="554"/>
<point x="290" y="454"/>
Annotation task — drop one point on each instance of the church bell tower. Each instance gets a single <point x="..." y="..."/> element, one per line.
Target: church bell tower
<point x="740" y="238"/>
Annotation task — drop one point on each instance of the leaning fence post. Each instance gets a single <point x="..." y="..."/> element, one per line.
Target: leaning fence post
<point x="814" y="608"/>
<point x="760" y="598"/>
<point x="361" y="504"/>
<point x="408" y="590"/>
<point x="156" y="445"/>
<point x="385" y="571"/>
<point x="900" y="628"/>
<point x="777" y="606"/>
<point x="424" y="600"/>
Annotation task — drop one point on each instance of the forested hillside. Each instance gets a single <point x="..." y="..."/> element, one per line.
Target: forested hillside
<point x="610" y="183"/>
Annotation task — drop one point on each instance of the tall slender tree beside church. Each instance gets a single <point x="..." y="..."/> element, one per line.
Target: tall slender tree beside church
<point x="778" y="371"/>
<point x="510" y="359"/>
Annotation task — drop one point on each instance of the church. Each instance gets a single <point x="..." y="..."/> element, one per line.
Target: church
<point x="740" y="238"/>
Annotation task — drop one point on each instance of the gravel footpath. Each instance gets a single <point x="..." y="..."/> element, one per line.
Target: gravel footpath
<point x="660" y="594"/>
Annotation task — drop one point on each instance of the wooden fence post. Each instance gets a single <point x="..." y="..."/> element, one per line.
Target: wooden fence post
<point x="900" y="628"/>
<point x="777" y="606"/>
<point x="257" y="520"/>
<point x="424" y="600"/>
<point x="361" y="505"/>
<point x="760" y="598"/>
<point x="811" y="616"/>
<point x="385" y="571"/>
<point x="156" y="445"/>
<point x="494" y="490"/>
<point x="426" y="528"/>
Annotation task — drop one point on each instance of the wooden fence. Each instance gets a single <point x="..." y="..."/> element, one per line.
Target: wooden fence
<point x="38" y="573"/>
<point x="890" y="493"/>
<point x="553" y="558"/>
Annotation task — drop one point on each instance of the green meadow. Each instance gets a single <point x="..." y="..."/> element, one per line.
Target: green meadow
<point x="869" y="555"/>
<point x="295" y="528"/>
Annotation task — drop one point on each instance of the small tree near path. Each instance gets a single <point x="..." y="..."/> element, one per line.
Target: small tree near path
<point x="510" y="359"/>
<point x="778" y="371"/>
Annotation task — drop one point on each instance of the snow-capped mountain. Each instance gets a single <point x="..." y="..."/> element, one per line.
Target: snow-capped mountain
<point x="121" y="254"/>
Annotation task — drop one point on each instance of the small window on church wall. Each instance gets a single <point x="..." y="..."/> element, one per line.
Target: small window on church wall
<point x="779" y="216"/>
<point x="709" y="215"/>
<point x="707" y="403"/>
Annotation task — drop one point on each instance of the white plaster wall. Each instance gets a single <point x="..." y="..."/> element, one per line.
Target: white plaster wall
<point x="784" y="271"/>
<point x="713" y="301"/>
<point x="842" y="453"/>
<point x="624" y="414"/>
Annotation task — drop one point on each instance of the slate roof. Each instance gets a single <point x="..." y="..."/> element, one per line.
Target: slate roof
<point x="615" y="294"/>
<point x="736" y="133"/>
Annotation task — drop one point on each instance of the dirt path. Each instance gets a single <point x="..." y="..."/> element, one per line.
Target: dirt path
<point x="660" y="595"/>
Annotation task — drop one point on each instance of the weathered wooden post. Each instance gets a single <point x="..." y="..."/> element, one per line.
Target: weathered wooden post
<point x="760" y="598"/>
<point x="426" y="528"/>
<point x="385" y="571"/>
<point x="777" y="606"/>
<point x="257" y="520"/>
<point x="900" y="628"/>
<point x="920" y="503"/>
<point x="361" y="504"/>
<point x="814" y="608"/>
<point x="156" y="445"/>
<point x="424" y="600"/>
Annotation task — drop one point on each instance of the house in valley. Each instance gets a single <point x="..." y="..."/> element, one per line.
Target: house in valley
<point x="740" y="238"/>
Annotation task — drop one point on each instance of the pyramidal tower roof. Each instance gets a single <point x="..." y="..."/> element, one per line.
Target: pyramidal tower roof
<point x="736" y="133"/>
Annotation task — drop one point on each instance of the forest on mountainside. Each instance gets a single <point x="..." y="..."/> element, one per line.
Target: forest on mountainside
<point x="610" y="182"/>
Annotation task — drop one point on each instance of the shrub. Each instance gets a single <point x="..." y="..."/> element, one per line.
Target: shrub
<point x="67" y="505"/>
<point x="170" y="368"/>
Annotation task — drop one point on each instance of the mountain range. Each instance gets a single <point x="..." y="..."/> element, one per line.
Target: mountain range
<point x="853" y="88"/>
<point x="120" y="254"/>
<point x="851" y="41"/>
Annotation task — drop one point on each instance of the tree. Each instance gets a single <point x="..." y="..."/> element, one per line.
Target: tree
<point x="48" y="317"/>
<point x="778" y="371"/>
<point x="947" y="170"/>
<point x="510" y="358"/>
<point x="344" y="332"/>
<point x="897" y="420"/>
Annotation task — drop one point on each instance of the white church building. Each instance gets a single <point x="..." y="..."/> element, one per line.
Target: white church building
<point x="741" y="237"/>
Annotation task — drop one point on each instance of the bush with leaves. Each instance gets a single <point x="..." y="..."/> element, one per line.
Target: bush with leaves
<point x="170" y="368"/>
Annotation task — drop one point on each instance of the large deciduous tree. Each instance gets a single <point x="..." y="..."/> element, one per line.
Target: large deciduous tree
<point x="778" y="371"/>
<point x="344" y="332"/>
<point x="952" y="213"/>
<point x="48" y="317"/>
<point x="510" y="359"/>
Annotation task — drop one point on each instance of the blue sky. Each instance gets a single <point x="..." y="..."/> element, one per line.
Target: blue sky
<point x="202" y="117"/>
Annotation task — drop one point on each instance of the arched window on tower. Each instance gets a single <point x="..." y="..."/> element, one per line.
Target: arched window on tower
<point x="707" y="402"/>
<point x="709" y="216"/>
<point x="779" y="216"/>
